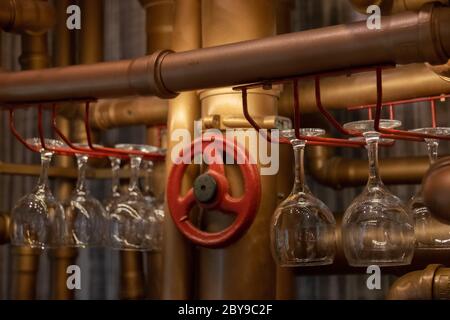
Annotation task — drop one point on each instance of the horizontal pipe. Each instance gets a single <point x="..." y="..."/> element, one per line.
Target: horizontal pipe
<point x="393" y="6"/>
<point x="339" y="172"/>
<point x="421" y="259"/>
<point x="26" y="16"/>
<point x="407" y="37"/>
<point x="122" y="112"/>
<point x="359" y="89"/>
<point x="58" y="172"/>
<point x="432" y="283"/>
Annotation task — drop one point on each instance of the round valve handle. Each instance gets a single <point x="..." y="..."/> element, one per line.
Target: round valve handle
<point x="211" y="191"/>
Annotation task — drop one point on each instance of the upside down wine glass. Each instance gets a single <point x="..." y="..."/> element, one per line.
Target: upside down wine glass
<point x="430" y="232"/>
<point x="303" y="228"/>
<point x="376" y="228"/>
<point x="130" y="218"/>
<point x="155" y="204"/>
<point x="36" y="219"/>
<point x="84" y="215"/>
<point x="115" y="184"/>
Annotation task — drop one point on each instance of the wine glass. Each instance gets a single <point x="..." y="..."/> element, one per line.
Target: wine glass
<point x="36" y="219"/>
<point x="430" y="232"/>
<point x="303" y="229"/>
<point x="377" y="228"/>
<point x="84" y="214"/>
<point x="130" y="221"/>
<point x="154" y="204"/>
<point x="115" y="183"/>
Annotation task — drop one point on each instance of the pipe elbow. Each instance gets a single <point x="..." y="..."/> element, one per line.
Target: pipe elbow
<point x="419" y="285"/>
<point x="32" y="17"/>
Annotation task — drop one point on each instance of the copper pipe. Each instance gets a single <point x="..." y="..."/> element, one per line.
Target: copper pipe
<point x="159" y="23"/>
<point x="421" y="259"/>
<point x="24" y="269"/>
<point x="58" y="172"/>
<point x="223" y="274"/>
<point x="4" y="228"/>
<point x="341" y="92"/>
<point x="341" y="172"/>
<point x="61" y="258"/>
<point x="131" y="276"/>
<point x="30" y="17"/>
<point x="34" y="52"/>
<point x="280" y="56"/>
<point x="431" y="283"/>
<point x="159" y="30"/>
<point x="393" y="6"/>
<point x="130" y="111"/>
<point x="177" y="282"/>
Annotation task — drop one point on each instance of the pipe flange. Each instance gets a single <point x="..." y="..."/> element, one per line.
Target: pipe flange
<point x="145" y="75"/>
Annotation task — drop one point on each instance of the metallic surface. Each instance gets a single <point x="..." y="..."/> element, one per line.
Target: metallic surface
<point x="129" y="111"/>
<point x="4" y="228"/>
<point x="160" y="17"/>
<point x="26" y="16"/>
<point x="341" y="92"/>
<point x="24" y="269"/>
<point x="436" y="186"/>
<point x="61" y="258"/>
<point x="163" y="74"/>
<point x="223" y="273"/>
<point x="339" y="172"/>
<point x="177" y="280"/>
<point x="428" y="284"/>
<point x="284" y="55"/>
<point x="393" y="6"/>
<point x="132" y="282"/>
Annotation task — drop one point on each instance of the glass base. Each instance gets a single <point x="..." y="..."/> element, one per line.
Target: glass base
<point x="380" y="263"/>
<point x="307" y="263"/>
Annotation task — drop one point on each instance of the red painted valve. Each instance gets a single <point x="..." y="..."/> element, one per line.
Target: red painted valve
<point x="211" y="191"/>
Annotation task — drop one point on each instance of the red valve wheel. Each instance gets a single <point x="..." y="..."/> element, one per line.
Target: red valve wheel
<point x="211" y="191"/>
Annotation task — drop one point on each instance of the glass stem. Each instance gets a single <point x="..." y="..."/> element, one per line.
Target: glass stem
<point x="82" y="166"/>
<point x="372" y="140"/>
<point x="134" y="178"/>
<point x="299" y="153"/>
<point x="432" y="146"/>
<point x="148" y="177"/>
<point x="46" y="158"/>
<point x="115" y="167"/>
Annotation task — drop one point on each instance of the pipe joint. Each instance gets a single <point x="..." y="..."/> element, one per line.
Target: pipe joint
<point x="32" y="17"/>
<point x="431" y="283"/>
<point x="145" y="75"/>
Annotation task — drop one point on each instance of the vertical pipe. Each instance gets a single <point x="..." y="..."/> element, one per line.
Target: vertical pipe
<point x="244" y="270"/>
<point x="61" y="258"/>
<point x="25" y="260"/>
<point x="159" y="29"/>
<point x="183" y="111"/>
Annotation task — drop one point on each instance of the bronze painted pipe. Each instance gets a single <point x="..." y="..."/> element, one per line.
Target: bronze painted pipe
<point x="432" y="283"/>
<point x="26" y="16"/>
<point x="160" y="17"/>
<point x="131" y="276"/>
<point x="178" y="268"/>
<point x="129" y="111"/>
<point x="339" y="172"/>
<point x="163" y="74"/>
<point x="393" y="6"/>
